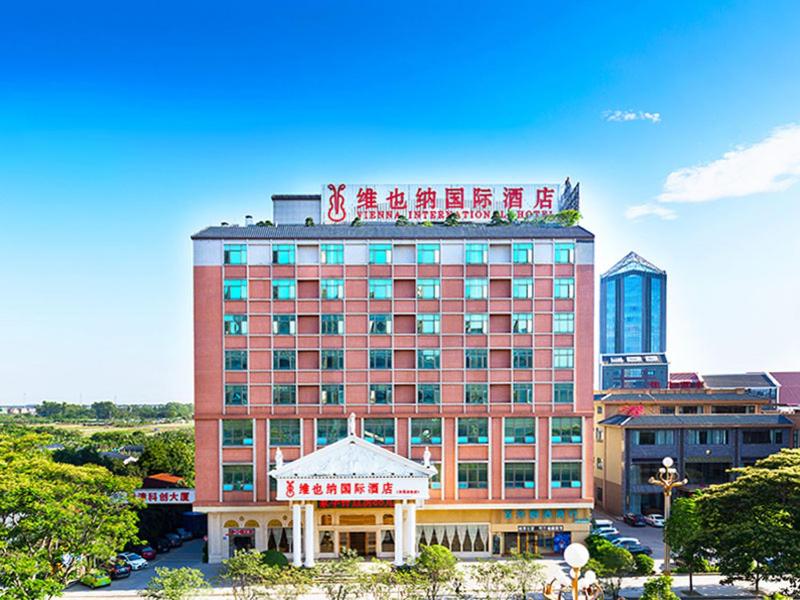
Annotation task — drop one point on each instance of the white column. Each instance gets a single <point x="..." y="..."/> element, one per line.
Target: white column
<point x="310" y="535"/>
<point x="398" y="533"/>
<point x="411" y="532"/>
<point x="297" y="540"/>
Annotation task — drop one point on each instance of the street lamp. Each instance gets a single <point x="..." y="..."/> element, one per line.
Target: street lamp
<point x="667" y="479"/>
<point x="576" y="556"/>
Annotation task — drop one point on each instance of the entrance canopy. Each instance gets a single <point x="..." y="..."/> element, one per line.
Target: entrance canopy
<point x="353" y="469"/>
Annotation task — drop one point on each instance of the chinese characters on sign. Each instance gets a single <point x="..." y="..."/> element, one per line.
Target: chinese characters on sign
<point x="352" y="489"/>
<point x="426" y="202"/>
<point x="166" y="496"/>
<point x="532" y="528"/>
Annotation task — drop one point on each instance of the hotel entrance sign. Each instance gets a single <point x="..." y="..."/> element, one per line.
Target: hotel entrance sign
<point x="343" y="202"/>
<point x="349" y="488"/>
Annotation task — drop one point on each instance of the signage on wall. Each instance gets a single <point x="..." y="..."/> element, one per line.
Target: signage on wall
<point x="395" y="488"/>
<point x="242" y="531"/>
<point x="532" y="528"/>
<point x="343" y="202"/>
<point x="355" y="503"/>
<point x="166" y="495"/>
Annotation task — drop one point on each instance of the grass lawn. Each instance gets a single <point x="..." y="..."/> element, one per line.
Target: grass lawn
<point x="149" y="428"/>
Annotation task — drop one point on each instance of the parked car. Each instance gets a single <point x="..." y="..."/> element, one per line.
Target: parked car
<point x="604" y="531"/>
<point x="118" y="569"/>
<point x="598" y="523"/>
<point x="135" y="561"/>
<point x="162" y="545"/>
<point x="654" y="520"/>
<point x="174" y="539"/>
<point x="145" y="551"/>
<point x="95" y="579"/>
<point x="620" y="541"/>
<point x="636" y="548"/>
<point x="184" y="534"/>
<point x="634" y="519"/>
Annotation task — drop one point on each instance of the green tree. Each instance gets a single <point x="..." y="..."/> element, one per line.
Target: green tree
<point x="341" y="579"/>
<point x="683" y="533"/>
<point x="528" y="572"/>
<point x="644" y="564"/>
<point x="437" y="567"/>
<point x="286" y="583"/>
<point x="174" y="584"/>
<point x="169" y="452"/>
<point x="611" y="563"/>
<point x="105" y="411"/>
<point x="246" y="572"/>
<point x="494" y="579"/>
<point x="659" y="588"/>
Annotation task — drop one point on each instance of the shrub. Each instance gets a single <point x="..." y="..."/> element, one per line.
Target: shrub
<point x="273" y="558"/>
<point x="644" y="564"/>
<point x="309" y="222"/>
<point x="659" y="588"/>
<point x="402" y="221"/>
<point x="437" y="566"/>
<point x="174" y="584"/>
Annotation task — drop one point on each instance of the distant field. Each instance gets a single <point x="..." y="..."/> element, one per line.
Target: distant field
<point x="145" y="427"/>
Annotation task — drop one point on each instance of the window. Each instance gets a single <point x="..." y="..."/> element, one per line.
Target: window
<point x="563" y="393"/>
<point x="706" y="437"/>
<point x="331" y="289"/>
<point x="237" y="432"/>
<point x="475" y="323"/>
<point x="598" y="434"/>
<point x="234" y="289"/>
<point x="380" y="254"/>
<point x="476" y="289"/>
<point x="283" y="254"/>
<point x="522" y="289"/>
<point x="476" y="254"/>
<point x="523" y="254"/>
<point x="522" y="323"/>
<point x="565" y="430"/>
<point x="563" y="287"/>
<point x="330" y="431"/>
<point x="520" y="475"/>
<point x="331" y="324"/>
<point x="565" y="474"/>
<point x="283" y="394"/>
<point x="428" y="359"/>
<point x="284" y="325"/>
<point x="564" y="253"/>
<point x="632" y="313"/>
<point x="380" y="324"/>
<point x="235" y="395"/>
<point x="284" y="432"/>
<point x="476" y="358"/>
<point x="380" y="359"/>
<point x="235" y="324"/>
<point x="651" y="437"/>
<point x="428" y="393"/>
<point x="473" y="475"/>
<point x="331" y="360"/>
<point x="426" y="431"/>
<point x="427" y="289"/>
<point x="473" y="431"/>
<point x="237" y="478"/>
<point x="563" y="358"/>
<point x="380" y="393"/>
<point x="380" y="289"/>
<point x="284" y="360"/>
<point x="522" y="358"/>
<point x="519" y="431"/>
<point x="235" y="360"/>
<point x="379" y="431"/>
<point x="762" y="436"/>
<point x="235" y="254"/>
<point x="331" y="254"/>
<point x="283" y="289"/>
<point x="476" y="393"/>
<point x="430" y="324"/>
<point x="564" y="323"/>
<point x="428" y="254"/>
<point x="331" y="393"/>
<point x="689" y="410"/>
<point x="523" y="393"/>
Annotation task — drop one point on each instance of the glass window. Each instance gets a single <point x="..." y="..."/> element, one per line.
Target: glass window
<point x="283" y="394"/>
<point x="380" y="359"/>
<point x="330" y="431"/>
<point x="284" y="360"/>
<point x="563" y="358"/>
<point x="610" y="330"/>
<point x="234" y="289"/>
<point x="564" y="253"/>
<point x="564" y="323"/>
<point x="380" y="324"/>
<point x="762" y="436"/>
<point x="283" y="254"/>
<point x="522" y="289"/>
<point x="331" y="393"/>
<point x="331" y="289"/>
<point x="522" y="358"/>
<point x="283" y="289"/>
<point x="331" y="324"/>
<point x="632" y="320"/>
<point x="476" y="358"/>
<point x="235" y="360"/>
<point x="237" y="478"/>
<point x="429" y="324"/>
<point x="427" y="289"/>
<point x="331" y="360"/>
<point x="653" y="437"/>
<point x="476" y="393"/>
<point x="428" y="254"/>
<point x="563" y="393"/>
<point x="565" y="474"/>
<point x="523" y="254"/>
<point x="520" y="475"/>
<point x="379" y="431"/>
<point x="476" y="289"/>
<point x="380" y="393"/>
<point x="523" y="393"/>
<point x="284" y="325"/>
<point x="284" y="432"/>
<point x="473" y="430"/>
<point x="655" y="315"/>
<point x="428" y="393"/>
<point x="235" y="254"/>
<point x="428" y="359"/>
<point x="380" y="254"/>
<point x="237" y="432"/>
<point x="476" y="323"/>
<point x="565" y="430"/>
<point x="476" y="254"/>
<point x="235" y="324"/>
<point x="522" y="323"/>
<point x="473" y="475"/>
<point x="708" y="437"/>
<point x="563" y="287"/>
<point x="331" y="254"/>
<point x="380" y="289"/>
<point x="426" y="431"/>
<point x="520" y="430"/>
<point x="235" y="395"/>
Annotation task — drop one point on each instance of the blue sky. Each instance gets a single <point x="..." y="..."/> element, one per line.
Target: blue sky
<point x="124" y="129"/>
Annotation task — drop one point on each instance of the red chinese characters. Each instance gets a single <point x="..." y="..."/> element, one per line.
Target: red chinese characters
<point x="481" y="197"/>
<point x="512" y="198"/>
<point x="397" y="199"/>
<point x="544" y="198"/>
<point x="454" y="198"/>
<point x="366" y="198"/>
<point x="426" y="198"/>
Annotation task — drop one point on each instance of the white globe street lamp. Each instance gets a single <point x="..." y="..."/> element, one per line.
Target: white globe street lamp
<point x="667" y="480"/>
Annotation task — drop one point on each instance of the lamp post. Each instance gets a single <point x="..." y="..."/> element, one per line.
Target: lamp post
<point x="576" y="556"/>
<point x="667" y="479"/>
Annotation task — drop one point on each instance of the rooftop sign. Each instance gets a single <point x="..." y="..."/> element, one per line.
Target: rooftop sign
<point x="343" y="202"/>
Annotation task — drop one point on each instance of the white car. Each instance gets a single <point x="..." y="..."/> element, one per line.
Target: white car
<point x="135" y="561"/>
<point x="654" y="520"/>
<point x="604" y="531"/>
<point x="626" y="540"/>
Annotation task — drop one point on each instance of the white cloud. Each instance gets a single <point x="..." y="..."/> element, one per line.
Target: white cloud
<point x="643" y="210"/>
<point x="630" y="115"/>
<point x="771" y="165"/>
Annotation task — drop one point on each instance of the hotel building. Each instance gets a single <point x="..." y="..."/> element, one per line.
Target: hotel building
<point x="378" y="387"/>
